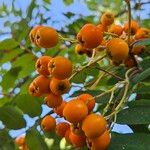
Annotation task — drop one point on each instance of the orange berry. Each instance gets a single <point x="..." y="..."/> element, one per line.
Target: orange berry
<point x="48" y="123"/>
<point x="94" y="125"/>
<point x="90" y="36"/>
<point x="134" y="27"/>
<point x="33" y="32"/>
<point x="39" y="86"/>
<point x="53" y="101"/>
<point x="60" y="67"/>
<point x="20" y="140"/>
<point x="116" y="29"/>
<point x="59" y="110"/>
<point x="88" y="100"/>
<point x="77" y="140"/>
<point x="79" y="49"/>
<point x="59" y="87"/>
<point x="137" y="49"/>
<point x="142" y="33"/>
<point x="102" y="142"/>
<point x="42" y="65"/>
<point x="67" y="138"/>
<point x="130" y="62"/>
<point x="46" y="37"/>
<point x="102" y="28"/>
<point x="117" y="49"/>
<point x="75" y="111"/>
<point x="61" y="128"/>
<point x="107" y="18"/>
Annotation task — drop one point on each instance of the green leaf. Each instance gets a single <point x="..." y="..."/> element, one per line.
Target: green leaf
<point x="35" y="141"/>
<point x="8" y="44"/>
<point x="136" y="141"/>
<point x="11" y="117"/>
<point x="135" y="114"/>
<point x="29" y="105"/>
<point x="145" y="42"/>
<point x="142" y="76"/>
<point x="143" y="89"/>
<point x="68" y="2"/>
<point x="10" y="77"/>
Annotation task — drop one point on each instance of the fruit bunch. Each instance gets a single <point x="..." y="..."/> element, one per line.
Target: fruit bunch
<point x="113" y="38"/>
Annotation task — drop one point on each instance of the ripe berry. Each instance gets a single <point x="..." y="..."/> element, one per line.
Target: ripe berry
<point x="39" y="86"/>
<point x="94" y="125"/>
<point x="116" y="29"/>
<point x="90" y="36"/>
<point x="59" y="87"/>
<point x="60" y="67"/>
<point x="33" y="32"/>
<point x="102" y="142"/>
<point x="67" y="138"/>
<point x="117" y="49"/>
<point x="46" y="37"/>
<point x="53" y="101"/>
<point x="103" y="28"/>
<point x="42" y="65"/>
<point x="59" y="110"/>
<point x="77" y="140"/>
<point x="137" y="49"/>
<point x="75" y="111"/>
<point x="61" y="128"/>
<point x="48" y="123"/>
<point x="88" y="100"/>
<point x="134" y="27"/>
<point x="130" y="62"/>
<point x="142" y="33"/>
<point x="20" y="140"/>
<point x="79" y="49"/>
<point x="107" y="18"/>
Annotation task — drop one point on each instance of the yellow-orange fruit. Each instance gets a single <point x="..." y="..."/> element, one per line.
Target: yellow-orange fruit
<point x="137" y="49"/>
<point x="42" y="65"/>
<point x="142" y="33"/>
<point x="60" y="67"/>
<point x="53" y="101"/>
<point x="134" y="27"/>
<point x="102" y="142"/>
<point x="39" y="86"/>
<point x="90" y="36"/>
<point x="61" y="128"/>
<point x="77" y="140"/>
<point x="75" y="111"/>
<point x="59" y="87"/>
<point x="88" y="100"/>
<point x="48" y="123"/>
<point x="79" y="49"/>
<point x="33" y="32"/>
<point x="94" y="125"/>
<point x="59" y="110"/>
<point x="116" y="29"/>
<point x="107" y="18"/>
<point x="130" y="62"/>
<point x="46" y="37"/>
<point x="67" y="138"/>
<point x="103" y="28"/>
<point x="20" y="140"/>
<point x="117" y="49"/>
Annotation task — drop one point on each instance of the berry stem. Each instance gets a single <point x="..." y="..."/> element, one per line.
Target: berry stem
<point x="67" y="39"/>
<point x="112" y="34"/>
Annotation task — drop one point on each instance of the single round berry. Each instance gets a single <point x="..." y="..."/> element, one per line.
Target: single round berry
<point x="116" y="29"/>
<point x="107" y="18"/>
<point x="60" y="67"/>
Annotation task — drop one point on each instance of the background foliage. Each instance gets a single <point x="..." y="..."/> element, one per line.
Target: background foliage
<point x="18" y="56"/>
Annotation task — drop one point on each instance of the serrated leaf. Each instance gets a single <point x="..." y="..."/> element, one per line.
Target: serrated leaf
<point x="134" y="115"/>
<point x="29" y="105"/>
<point x="11" y="117"/>
<point x="8" y="44"/>
<point x="10" y="77"/>
<point x="136" y="141"/>
<point x="35" y="141"/>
